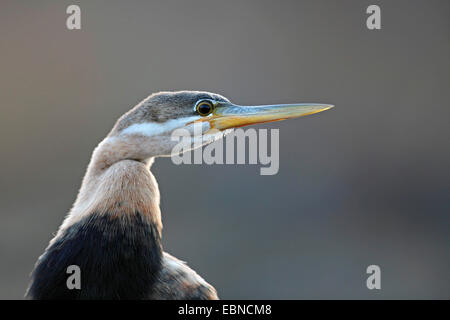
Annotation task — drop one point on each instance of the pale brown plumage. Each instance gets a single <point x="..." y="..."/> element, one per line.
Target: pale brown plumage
<point x="118" y="184"/>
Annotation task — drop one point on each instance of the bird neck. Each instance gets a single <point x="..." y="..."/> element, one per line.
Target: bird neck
<point x="116" y="185"/>
<point x="112" y="233"/>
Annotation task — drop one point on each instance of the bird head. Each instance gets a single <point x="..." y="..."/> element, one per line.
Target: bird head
<point x="145" y="131"/>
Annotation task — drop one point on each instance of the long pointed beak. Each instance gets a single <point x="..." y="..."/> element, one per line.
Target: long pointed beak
<point x="228" y="115"/>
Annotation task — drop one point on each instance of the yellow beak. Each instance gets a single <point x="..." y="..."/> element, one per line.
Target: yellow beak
<point x="228" y="115"/>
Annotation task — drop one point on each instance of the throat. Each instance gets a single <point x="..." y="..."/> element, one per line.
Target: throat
<point x="119" y="258"/>
<point x="122" y="189"/>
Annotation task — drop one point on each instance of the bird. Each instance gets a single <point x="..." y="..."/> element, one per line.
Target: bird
<point x="113" y="231"/>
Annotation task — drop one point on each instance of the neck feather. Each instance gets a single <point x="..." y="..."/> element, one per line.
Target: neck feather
<point x="113" y="233"/>
<point x="116" y="185"/>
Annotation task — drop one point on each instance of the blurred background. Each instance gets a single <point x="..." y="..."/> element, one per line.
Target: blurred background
<point x="365" y="183"/>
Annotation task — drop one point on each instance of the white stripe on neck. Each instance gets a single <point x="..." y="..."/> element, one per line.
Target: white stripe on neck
<point x="155" y="128"/>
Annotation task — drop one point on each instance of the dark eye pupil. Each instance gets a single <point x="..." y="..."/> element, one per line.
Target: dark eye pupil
<point x="204" y="108"/>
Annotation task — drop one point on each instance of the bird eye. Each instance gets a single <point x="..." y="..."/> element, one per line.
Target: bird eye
<point x="204" y="108"/>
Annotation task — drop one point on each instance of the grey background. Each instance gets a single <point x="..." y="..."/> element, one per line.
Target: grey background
<point x="365" y="183"/>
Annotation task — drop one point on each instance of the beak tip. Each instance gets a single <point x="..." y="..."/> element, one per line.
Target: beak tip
<point x="328" y="107"/>
<point x="323" y="107"/>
